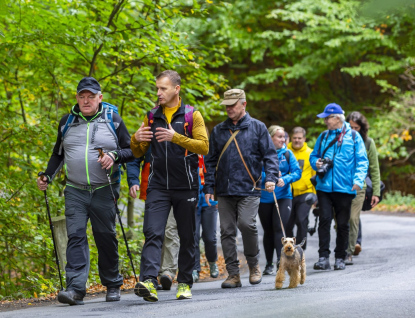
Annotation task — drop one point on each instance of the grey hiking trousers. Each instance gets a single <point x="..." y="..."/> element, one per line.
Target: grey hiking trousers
<point x="97" y="206"/>
<point x="238" y="212"/>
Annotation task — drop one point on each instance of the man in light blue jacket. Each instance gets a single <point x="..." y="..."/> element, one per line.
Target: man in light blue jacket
<point x="340" y="159"/>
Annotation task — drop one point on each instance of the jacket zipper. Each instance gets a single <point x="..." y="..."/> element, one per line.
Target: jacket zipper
<point x="167" y="168"/>
<point x="86" y="153"/>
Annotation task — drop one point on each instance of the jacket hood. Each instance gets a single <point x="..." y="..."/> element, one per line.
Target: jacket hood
<point x="303" y="148"/>
<point x="282" y="150"/>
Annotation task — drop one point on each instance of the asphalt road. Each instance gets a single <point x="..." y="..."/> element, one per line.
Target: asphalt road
<point x="381" y="283"/>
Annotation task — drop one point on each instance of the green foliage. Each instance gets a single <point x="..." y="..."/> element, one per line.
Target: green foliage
<point x="291" y="57"/>
<point x="46" y="47"/>
<point x="398" y="198"/>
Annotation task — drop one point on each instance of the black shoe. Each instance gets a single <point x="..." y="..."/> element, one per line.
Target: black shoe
<point x="269" y="269"/>
<point x="166" y="281"/>
<point x="339" y="264"/>
<point x="322" y="264"/>
<point x="349" y="259"/>
<point x="159" y="287"/>
<point x="113" y="294"/>
<point x="70" y="297"/>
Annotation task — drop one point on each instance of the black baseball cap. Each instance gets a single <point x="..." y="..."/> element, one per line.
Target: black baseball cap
<point x="88" y="84"/>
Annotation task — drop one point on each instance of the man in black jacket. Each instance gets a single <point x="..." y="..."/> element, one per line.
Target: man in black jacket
<point x="173" y="182"/>
<point x="87" y="193"/>
<point x="234" y="172"/>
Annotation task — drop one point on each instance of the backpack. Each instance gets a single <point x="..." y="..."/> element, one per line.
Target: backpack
<point x="188" y="119"/>
<point x="367" y="203"/>
<point x="109" y="109"/>
<point x="188" y="127"/>
<point x="287" y="157"/>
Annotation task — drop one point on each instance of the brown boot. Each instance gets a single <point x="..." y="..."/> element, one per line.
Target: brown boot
<point x="357" y="249"/>
<point x="255" y="275"/>
<point x="232" y="281"/>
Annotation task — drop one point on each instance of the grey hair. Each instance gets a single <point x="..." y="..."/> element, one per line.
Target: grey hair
<point x="242" y="100"/>
<point x="340" y="116"/>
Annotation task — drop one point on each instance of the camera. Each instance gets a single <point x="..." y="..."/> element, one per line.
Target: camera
<point x="327" y="165"/>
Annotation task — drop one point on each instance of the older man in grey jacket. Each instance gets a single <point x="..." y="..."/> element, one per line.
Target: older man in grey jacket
<point x="90" y="125"/>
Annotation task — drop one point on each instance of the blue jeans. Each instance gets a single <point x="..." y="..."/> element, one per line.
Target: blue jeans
<point x="207" y="217"/>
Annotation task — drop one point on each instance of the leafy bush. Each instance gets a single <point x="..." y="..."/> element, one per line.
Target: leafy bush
<point x="396" y="201"/>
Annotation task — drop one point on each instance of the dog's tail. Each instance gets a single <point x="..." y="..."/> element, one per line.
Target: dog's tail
<point x="301" y="244"/>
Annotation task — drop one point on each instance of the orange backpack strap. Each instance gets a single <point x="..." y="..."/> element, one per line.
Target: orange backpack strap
<point x="202" y="169"/>
<point x="145" y="172"/>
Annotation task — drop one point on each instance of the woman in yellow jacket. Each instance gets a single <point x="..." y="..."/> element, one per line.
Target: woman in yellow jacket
<point x="302" y="187"/>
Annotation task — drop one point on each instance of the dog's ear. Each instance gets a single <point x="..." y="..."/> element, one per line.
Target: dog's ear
<point x="294" y="240"/>
<point x="283" y="240"/>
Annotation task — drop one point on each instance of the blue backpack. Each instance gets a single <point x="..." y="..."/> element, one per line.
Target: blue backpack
<point x="109" y="109"/>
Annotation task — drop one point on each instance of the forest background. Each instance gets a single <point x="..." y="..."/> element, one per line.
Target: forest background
<point x="292" y="57"/>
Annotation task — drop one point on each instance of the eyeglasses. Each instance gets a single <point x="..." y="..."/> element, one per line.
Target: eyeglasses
<point x="328" y="117"/>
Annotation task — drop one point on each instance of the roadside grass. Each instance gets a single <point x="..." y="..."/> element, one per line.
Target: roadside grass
<point x="396" y="201"/>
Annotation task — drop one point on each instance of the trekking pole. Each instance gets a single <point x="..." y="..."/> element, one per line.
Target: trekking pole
<point x="101" y="154"/>
<point x="40" y="174"/>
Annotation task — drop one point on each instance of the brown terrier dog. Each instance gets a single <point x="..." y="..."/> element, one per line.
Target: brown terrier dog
<point x="292" y="261"/>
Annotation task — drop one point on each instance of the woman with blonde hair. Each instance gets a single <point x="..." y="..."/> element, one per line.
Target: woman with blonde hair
<point x="289" y="172"/>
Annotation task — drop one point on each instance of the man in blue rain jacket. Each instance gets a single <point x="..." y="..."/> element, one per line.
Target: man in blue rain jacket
<point x="340" y="159"/>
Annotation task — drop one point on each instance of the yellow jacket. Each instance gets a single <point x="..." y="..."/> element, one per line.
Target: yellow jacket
<point x="303" y="157"/>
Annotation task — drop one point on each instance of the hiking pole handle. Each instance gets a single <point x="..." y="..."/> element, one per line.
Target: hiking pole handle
<point x="101" y="152"/>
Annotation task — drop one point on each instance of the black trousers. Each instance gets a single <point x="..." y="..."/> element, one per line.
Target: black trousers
<point x="99" y="208"/>
<point x="272" y="226"/>
<point x="341" y="204"/>
<point x="299" y="217"/>
<point x="157" y="208"/>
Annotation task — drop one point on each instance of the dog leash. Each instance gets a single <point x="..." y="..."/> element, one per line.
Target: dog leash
<point x="278" y="210"/>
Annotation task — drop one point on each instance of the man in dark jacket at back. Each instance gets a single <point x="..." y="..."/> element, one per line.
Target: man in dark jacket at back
<point x="234" y="172"/>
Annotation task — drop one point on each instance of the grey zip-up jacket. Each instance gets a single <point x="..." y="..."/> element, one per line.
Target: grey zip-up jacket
<point x="76" y="151"/>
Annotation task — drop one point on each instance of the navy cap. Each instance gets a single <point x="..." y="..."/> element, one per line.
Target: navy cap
<point x="330" y="110"/>
<point x="88" y="84"/>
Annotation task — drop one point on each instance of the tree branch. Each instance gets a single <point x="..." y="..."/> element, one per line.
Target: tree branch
<point x="112" y="15"/>
<point x="398" y="162"/>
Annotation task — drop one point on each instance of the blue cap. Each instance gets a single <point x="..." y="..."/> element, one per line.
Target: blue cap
<point x="330" y="110"/>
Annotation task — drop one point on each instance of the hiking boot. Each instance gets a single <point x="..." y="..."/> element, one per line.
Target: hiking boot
<point x="322" y="264"/>
<point x="113" y="294"/>
<point x="166" y="281"/>
<point x="269" y="269"/>
<point x="349" y="259"/>
<point x="255" y="276"/>
<point x="195" y="276"/>
<point x="357" y="249"/>
<point x="339" y="264"/>
<point x="214" y="269"/>
<point x="183" y="291"/>
<point x="146" y="290"/>
<point x="70" y="297"/>
<point x="232" y="281"/>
